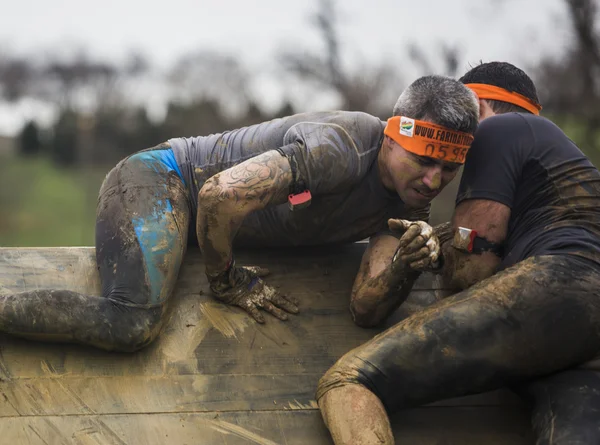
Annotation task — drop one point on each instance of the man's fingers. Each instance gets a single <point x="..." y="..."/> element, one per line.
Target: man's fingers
<point x="284" y="304"/>
<point x="426" y="230"/>
<point x="410" y="234"/>
<point x="269" y="307"/>
<point x="421" y="254"/>
<point x="434" y="249"/>
<point x="416" y="244"/>
<point x="398" y="224"/>
<point x="420" y="265"/>
<point x="253" y="311"/>
<point x="292" y="300"/>
<point x="258" y="271"/>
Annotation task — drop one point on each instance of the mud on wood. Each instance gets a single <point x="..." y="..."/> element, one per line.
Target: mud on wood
<point x="213" y="375"/>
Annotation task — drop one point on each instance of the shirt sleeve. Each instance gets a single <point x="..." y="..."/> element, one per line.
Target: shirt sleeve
<point x="496" y="159"/>
<point x="329" y="159"/>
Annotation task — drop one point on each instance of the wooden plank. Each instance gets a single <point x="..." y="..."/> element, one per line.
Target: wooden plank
<point x="225" y="339"/>
<point x="424" y="426"/>
<point x="212" y="361"/>
<point x="171" y="394"/>
<point x="73" y="268"/>
<point x="167" y="394"/>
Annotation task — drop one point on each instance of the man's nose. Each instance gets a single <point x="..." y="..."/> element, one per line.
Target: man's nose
<point x="433" y="177"/>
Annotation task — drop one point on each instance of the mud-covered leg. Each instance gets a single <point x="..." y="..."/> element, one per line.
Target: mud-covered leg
<point x="141" y="233"/>
<point x="65" y="316"/>
<point x="355" y="416"/>
<point x="566" y="408"/>
<point x="538" y="317"/>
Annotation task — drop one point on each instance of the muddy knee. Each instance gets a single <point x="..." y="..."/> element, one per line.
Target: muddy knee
<point x="138" y="330"/>
<point x="348" y="371"/>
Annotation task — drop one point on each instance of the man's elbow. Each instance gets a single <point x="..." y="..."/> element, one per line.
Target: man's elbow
<point x="363" y="313"/>
<point x="463" y="271"/>
<point x="208" y="196"/>
<point x="215" y="198"/>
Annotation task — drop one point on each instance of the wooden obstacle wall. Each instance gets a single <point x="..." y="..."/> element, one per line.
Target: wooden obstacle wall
<point x="214" y="376"/>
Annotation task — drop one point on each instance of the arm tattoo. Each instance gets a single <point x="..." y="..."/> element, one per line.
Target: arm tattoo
<point x="261" y="178"/>
<point x="226" y="199"/>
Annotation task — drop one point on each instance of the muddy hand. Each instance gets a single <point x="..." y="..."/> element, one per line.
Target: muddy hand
<point x="418" y="247"/>
<point x="246" y="289"/>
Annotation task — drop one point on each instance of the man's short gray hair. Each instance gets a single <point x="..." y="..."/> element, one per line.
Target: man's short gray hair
<point x="440" y="100"/>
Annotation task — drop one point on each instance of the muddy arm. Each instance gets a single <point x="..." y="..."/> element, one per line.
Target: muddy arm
<point x="490" y="220"/>
<point x="226" y="199"/>
<point x="379" y="287"/>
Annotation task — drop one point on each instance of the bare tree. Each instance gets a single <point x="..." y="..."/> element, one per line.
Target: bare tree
<point x="570" y="84"/>
<point x="16" y="77"/>
<point x="449" y="59"/>
<point x="211" y="76"/>
<point x="367" y="89"/>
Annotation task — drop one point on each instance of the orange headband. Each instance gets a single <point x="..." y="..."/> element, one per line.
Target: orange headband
<point x="427" y="139"/>
<point x="485" y="91"/>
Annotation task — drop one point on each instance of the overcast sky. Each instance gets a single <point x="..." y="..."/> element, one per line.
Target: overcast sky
<point x="518" y="31"/>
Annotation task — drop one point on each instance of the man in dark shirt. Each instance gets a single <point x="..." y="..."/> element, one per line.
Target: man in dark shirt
<point x="526" y="248"/>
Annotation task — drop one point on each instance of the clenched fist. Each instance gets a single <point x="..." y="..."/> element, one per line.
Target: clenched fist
<point x="419" y="247"/>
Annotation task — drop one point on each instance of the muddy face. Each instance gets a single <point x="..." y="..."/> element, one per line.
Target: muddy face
<point x="416" y="179"/>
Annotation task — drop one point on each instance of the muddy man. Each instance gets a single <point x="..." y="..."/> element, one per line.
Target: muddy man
<point x="307" y="179"/>
<point x="526" y="251"/>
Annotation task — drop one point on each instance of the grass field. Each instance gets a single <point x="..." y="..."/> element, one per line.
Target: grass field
<point x="41" y="205"/>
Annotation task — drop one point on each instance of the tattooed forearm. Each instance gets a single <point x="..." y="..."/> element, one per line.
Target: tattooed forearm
<point x="226" y="199"/>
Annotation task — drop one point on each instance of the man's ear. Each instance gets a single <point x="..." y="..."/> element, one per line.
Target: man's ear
<point x="389" y="142"/>
<point x="485" y="110"/>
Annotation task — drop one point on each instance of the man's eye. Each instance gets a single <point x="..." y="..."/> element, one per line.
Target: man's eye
<point x="425" y="161"/>
<point x="451" y="168"/>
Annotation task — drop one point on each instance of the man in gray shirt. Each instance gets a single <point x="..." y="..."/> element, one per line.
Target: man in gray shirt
<point x="307" y="179"/>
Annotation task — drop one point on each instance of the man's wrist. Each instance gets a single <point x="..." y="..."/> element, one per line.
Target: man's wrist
<point x="438" y="266"/>
<point x="221" y="275"/>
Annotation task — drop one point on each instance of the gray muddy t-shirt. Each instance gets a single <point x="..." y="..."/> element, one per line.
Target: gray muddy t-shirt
<point x="336" y="154"/>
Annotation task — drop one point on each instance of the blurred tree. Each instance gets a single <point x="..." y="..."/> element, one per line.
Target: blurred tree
<point x="79" y="84"/>
<point x="367" y="89"/>
<point x="569" y="84"/>
<point x="449" y="55"/>
<point x="287" y="109"/>
<point x="29" y="140"/>
<point x="122" y="131"/>
<point x="63" y="147"/>
<point x="16" y="77"/>
<point x="207" y="77"/>
<point x="201" y="117"/>
<point x="81" y="88"/>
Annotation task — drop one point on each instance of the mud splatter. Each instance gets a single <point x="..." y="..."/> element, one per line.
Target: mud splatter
<point x="228" y="323"/>
<point x="238" y="431"/>
<point x="295" y="405"/>
<point x="181" y="344"/>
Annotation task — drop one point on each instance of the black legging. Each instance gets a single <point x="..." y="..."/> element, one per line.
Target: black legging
<point x="566" y="407"/>
<point x="142" y="224"/>
<point x="536" y="318"/>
